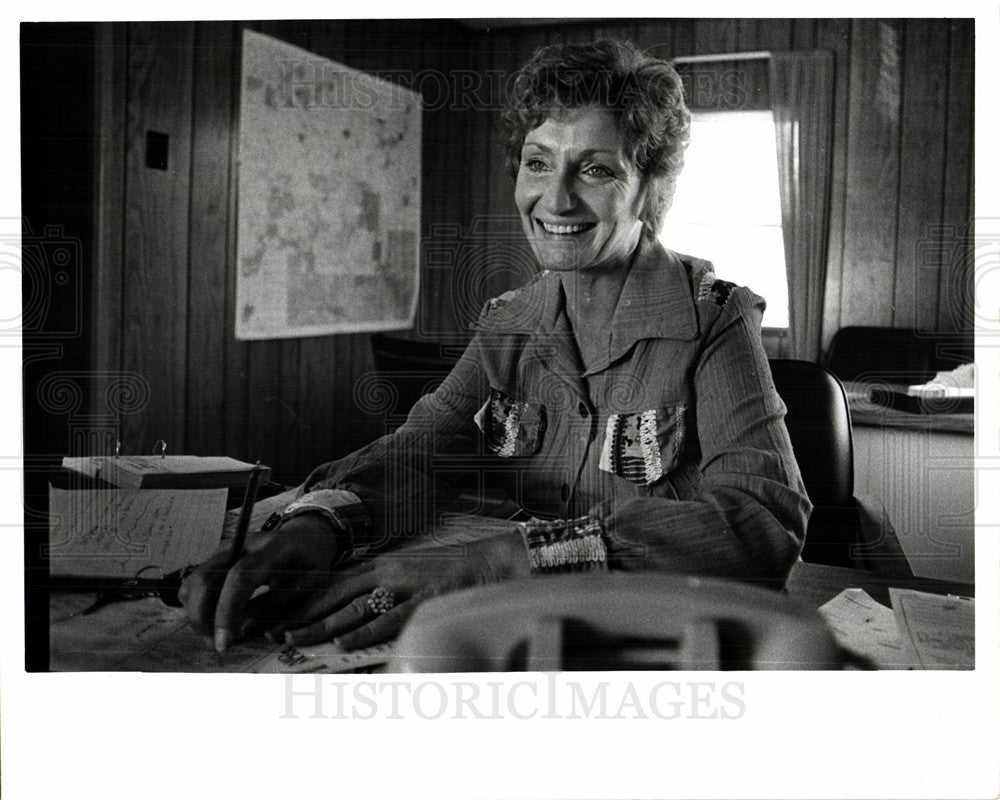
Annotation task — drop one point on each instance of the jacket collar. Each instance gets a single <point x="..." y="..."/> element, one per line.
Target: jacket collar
<point x="657" y="302"/>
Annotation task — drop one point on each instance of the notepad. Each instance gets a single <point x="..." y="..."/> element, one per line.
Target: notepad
<point x="867" y="628"/>
<point x="166" y="472"/>
<point x="939" y="630"/>
<point x="120" y="533"/>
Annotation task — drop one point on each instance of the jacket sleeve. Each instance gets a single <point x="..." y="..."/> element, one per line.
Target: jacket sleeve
<point x="748" y="517"/>
<point x="391" y="487"/>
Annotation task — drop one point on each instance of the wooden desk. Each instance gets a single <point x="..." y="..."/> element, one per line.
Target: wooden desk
<point x="815" y="584"/>
<point x="920" y="468"/>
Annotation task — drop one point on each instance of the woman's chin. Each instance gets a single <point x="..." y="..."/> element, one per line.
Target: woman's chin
<point x="561" y="257"/>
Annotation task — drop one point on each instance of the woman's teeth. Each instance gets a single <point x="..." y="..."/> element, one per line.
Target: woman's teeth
<point x="564" y="229"/>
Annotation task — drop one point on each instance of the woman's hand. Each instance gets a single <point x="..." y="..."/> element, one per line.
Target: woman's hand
<point x="413" y="576"/>
<point x="220" y="600"/>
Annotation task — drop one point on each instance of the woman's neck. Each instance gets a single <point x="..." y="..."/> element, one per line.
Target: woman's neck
<point x="592" y="296"/>
<point x="591" y="300"/>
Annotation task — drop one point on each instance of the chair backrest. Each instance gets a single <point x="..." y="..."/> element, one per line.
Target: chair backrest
<point x="896" y="355"/>
<point x="819" y="425"/>
<point x="413" y="368"/>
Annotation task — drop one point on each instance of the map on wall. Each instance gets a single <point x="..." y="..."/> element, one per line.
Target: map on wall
<point x="328" y="230"/>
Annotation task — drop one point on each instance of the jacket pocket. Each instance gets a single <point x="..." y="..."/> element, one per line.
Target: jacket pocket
<point x="645" y="446"/>
<point x="511" y="427"/>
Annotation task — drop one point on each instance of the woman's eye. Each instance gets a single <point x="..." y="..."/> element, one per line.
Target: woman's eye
<point x="597" y="171"/>
<point x="534" y="164"/>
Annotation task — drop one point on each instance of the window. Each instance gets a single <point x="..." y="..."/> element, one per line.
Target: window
<point x="728" y="209"/>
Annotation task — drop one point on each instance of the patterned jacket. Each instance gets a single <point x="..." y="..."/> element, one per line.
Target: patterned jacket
<point x="675" y="442"/>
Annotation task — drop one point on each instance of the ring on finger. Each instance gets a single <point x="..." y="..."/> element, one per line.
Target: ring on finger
<point x="380" y="600"/>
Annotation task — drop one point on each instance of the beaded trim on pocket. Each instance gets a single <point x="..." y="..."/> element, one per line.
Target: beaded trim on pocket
<point x="643" y="447"/>
<point x="511" y="427"/>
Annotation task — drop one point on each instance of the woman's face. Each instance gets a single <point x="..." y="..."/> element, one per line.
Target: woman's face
<point x="578" y="194"/>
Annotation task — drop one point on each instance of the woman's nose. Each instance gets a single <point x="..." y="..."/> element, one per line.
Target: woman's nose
<point x="559" y="196"/>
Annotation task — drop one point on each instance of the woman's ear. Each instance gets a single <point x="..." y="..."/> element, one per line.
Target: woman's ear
<point x="643" y="209"/>
<point x="654" y="199"/>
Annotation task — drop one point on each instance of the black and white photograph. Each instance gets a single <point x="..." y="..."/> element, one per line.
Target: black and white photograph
<point x="401" y="391"/>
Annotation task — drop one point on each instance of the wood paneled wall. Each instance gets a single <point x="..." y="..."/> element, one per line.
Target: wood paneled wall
<point x="164" y="294"/>
<point x="900" y="206"/>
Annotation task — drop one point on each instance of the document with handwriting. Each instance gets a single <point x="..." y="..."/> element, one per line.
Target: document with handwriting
<point x="940" y="630"/>
<point x="117" y="533"/>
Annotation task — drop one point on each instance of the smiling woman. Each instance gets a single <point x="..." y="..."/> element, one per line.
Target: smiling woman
<point x="622" y="398"/>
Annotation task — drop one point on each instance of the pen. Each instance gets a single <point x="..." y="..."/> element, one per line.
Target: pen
<point x="239" y="540"/>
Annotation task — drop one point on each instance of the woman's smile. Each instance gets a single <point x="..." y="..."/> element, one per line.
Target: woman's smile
<point x="565" y="229"/>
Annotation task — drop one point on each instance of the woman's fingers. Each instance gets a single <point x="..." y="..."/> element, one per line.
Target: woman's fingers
<point x="317" y="606"/>
<point x="349" y="617"/>
<point x="272" y="610"/>
<point x="356" y="625"/>
<point x="199" y="593"/>
<point x="381" y="628"/>
<point x="264" y="568"/>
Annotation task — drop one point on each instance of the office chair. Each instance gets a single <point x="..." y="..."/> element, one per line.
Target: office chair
<point x="819" y="424"/>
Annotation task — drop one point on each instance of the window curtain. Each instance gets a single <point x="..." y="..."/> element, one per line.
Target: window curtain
<point x="801" y="86"/>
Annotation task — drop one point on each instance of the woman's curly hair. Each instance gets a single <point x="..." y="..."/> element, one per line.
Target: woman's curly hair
<point x="643" y="93"/>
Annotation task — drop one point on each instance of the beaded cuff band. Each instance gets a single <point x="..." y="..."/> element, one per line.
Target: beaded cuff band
<point x="344" y="509"/>
<point x="575" y="545"/>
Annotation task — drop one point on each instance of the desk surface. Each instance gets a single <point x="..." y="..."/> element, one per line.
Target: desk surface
<point x="148" y="636"/>
<point x="865" y="413"/>
<point x="815" y="584"/>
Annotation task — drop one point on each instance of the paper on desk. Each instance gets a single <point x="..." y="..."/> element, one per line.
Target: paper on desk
<point x="116" y="533"/>
<point x="261" y="511"/>
<point x="323" y="657"/>
<point x="148" y="636"/>
<point x="939" y="630"/>
<point x="867" y="628"/>
<point x="959" y="382"/>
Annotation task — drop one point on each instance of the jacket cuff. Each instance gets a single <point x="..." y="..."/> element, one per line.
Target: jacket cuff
<point x="344" y="509"/>
<point x="575" y="545"/>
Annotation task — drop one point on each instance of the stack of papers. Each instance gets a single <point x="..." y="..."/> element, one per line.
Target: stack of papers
<point x="166" y="472"/>
<point x="920" y="631"/>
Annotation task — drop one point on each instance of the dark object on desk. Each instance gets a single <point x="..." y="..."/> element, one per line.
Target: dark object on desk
<point x="819" y="424"/>
<point x="866" y="414"/>
<point x="614" y="621"/>
<point x="145" y="584"/>
<point x="901" y="401"/>
<point x="896" y="355"/>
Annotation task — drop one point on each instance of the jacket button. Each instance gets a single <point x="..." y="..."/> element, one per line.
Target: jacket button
<point x="582" y="408"/>
<point x="564" y="492"/>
